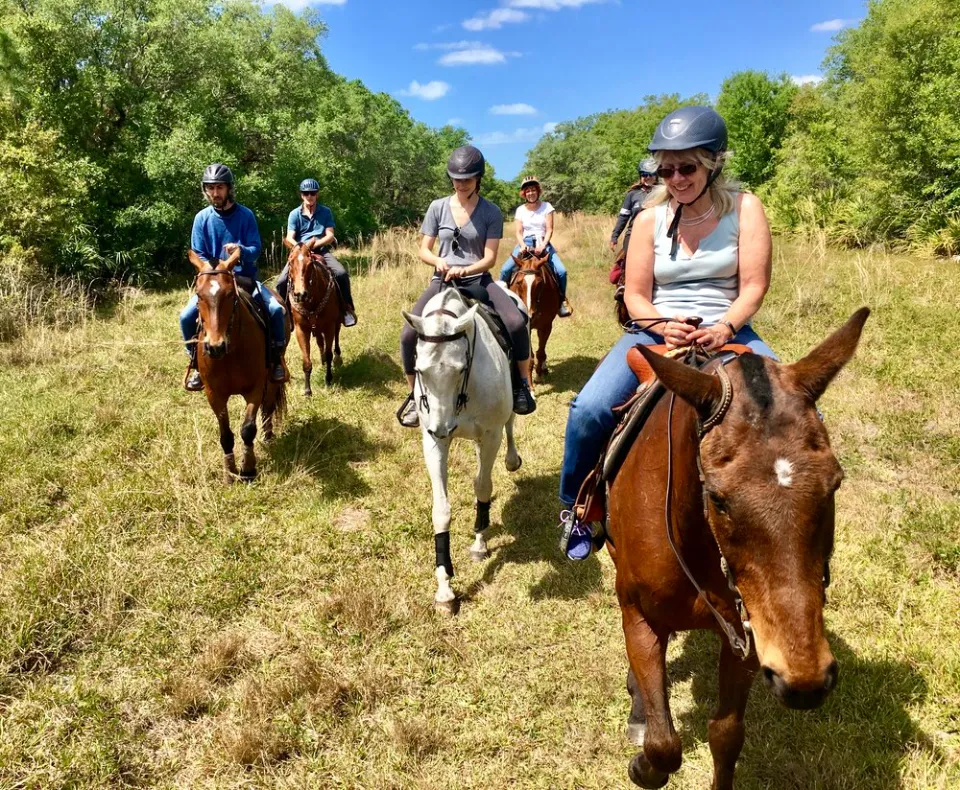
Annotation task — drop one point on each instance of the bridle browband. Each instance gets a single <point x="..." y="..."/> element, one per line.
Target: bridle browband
<point x="462" y="397"/>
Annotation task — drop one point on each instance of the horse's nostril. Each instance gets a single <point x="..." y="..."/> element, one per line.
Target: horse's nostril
<point x="769" y="676"/>
<point x="833" y="672"/>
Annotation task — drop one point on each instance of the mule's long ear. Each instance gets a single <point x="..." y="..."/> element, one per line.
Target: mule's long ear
<point x="700" y="390"/>
<point x="415" y="321"/>
<point x="816" y="370"/>
<point x="198" y="263"/>
<point x="466" y="319"/>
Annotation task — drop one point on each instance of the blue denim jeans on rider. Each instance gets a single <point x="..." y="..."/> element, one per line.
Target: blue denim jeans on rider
<point x="590" y="421"/>
<point x="190" y="316"/>
<point x="559" y="269"/>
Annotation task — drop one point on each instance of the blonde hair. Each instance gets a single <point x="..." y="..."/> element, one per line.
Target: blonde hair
<point x="723" y="191"/>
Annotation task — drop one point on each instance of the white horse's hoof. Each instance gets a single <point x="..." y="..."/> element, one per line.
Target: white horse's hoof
<point x="635" y="733"/>
<point x="515" y="468"/>
<point x="479" y="556"/>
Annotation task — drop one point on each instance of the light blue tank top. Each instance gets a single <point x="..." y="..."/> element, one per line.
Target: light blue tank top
<point x="704" y="284"/>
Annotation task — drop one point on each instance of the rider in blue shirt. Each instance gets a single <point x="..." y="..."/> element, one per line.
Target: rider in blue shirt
<point x="311" y="224"/>
<point x="218" y="231"/>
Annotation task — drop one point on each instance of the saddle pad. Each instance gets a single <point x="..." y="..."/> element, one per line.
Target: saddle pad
<point x="637" y="409"/>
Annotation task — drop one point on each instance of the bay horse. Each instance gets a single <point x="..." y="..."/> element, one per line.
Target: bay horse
<point x="722" y="518"/>
<point x="232" y="360"/>
<point x="536" y="285"/>
<point x="618" y="277"/>
<point x="317" y="311"/>
<point x="463" y="387"/>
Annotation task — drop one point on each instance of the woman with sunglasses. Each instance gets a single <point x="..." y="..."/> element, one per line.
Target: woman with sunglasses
<point x="469" y="229"/>
<point x="701" y="248"/>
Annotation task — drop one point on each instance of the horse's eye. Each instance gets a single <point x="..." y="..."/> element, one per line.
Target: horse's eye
<point x="717" y="500"/>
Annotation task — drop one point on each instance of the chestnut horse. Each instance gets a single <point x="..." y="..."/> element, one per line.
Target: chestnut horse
<point x="317" y="311"/>
<point x="536" y="285"/>
<point x="232" y="360"/>
<point x="724" y="506"/>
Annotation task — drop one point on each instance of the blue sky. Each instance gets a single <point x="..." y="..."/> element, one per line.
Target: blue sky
<point x="506" y="70"/>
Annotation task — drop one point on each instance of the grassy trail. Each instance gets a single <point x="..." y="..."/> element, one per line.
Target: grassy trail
<point x="158" y="629"/>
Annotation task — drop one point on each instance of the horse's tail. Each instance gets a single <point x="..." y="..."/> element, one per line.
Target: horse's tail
<point x="276" y="402"/>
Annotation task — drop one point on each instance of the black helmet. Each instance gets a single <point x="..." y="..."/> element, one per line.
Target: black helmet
<point x="309" y="185"/>
<point x="217" y="174"/>
<point x="691" y="127"/>
<point x="466" y="162"/>
<point x="647" y="167"/>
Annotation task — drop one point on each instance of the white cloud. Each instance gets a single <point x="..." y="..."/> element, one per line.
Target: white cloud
<point x="494" y="20"/>
<point x="831" y="25"/>
<point x="435" y="89"/>
<point x="551" y="5"/>
<point x="298" y="5"/>
<point x="454" y="122"/>
<point x="513" y="109"/>
<point x="550" y="127"/>
<point x="806" y="79"/>
<point x="483" y="55"/>
<point x="523" y="135"/>
<point x="450" y="45"/>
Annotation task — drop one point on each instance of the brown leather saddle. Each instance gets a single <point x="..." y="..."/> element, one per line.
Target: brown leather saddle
<point x="591" y="504"/>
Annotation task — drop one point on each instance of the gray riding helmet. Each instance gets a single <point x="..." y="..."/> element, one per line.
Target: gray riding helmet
<point x="648" y="167"/>
<point x="466" y="162"/>
<point x="691" y="127"/>
<point x="217" y="174"/>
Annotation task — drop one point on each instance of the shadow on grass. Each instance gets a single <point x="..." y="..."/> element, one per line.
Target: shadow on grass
<point x="326" y="449"/>
<point x="531" y="518"/>
<point x="858" y="739"/>
<point x="568" y="375"/>
<point x="373" y="371"/>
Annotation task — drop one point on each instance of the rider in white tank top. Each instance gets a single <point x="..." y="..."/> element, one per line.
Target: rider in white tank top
<point x="703" y="284"/>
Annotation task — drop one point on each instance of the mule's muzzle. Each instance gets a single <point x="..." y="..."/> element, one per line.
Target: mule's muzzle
<point x="215" y="350"/>
<point x="801" y="697"/>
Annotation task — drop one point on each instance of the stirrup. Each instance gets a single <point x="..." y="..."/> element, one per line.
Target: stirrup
<point x="577" y="541"/>
<point x="407" y="413"/>
<point x="193" y="381"/>
<point x="565" y="310"/>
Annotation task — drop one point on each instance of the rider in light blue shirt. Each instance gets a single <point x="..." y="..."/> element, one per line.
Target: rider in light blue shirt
<point x="218" y="230"/>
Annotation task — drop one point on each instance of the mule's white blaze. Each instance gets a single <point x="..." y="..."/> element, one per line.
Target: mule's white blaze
<point x="784" y="471"/>
<point x="214" y="287"/>
<point x="528" y="281"/>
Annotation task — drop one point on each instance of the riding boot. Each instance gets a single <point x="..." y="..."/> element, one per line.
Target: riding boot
<point x="277" y="372"/>
<point x="565" y="309"/>
<point x="523" y="400"/>
<point x="193" y="383"/>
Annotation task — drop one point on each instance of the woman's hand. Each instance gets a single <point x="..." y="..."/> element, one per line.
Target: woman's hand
<point x="453" y="273"/>
<point x="538" y="251"/>
<point x="676" y="332"/>
<point x="442" y="267"/>
<point x="712" y="337"/>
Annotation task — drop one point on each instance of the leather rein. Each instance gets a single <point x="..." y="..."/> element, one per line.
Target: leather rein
<point x="462" y="397"/>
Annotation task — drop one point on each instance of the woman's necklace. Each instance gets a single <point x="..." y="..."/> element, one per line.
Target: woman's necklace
<point x="700" y="218"/>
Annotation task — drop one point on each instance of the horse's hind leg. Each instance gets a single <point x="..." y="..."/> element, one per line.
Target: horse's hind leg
<point x="512" y="460"/>
<point x="726" y="730"/>
<point x="248" y="432"/>
<point x="487" y="449"/>
<point x="543" y="335"/>
<point x="337" y="359"/>
<point x="303" y="340"/>
<point x="328" y="356"/>
<point x="637" y="721"/>
<point x="661" y="754"/>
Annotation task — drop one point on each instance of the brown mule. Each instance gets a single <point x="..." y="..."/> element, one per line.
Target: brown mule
<point x="232" y="360"/>
<point x="317" y="311"/>
<point x="737" y="465"/>
<point x="536" y="285"/>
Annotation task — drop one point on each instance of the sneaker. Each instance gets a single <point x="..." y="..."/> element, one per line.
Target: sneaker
<point x="349" y="318"/>
<point x="576" y="542"/>
<point x="565" y="310"/>
<point x="407" y="413"/>
<point x="523" y="400"/>
<point x="194" y="383"/>
<point x="277" y="373"/>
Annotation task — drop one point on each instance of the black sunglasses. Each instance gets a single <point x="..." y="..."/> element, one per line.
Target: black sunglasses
<point x="687" y="169"/>
<point x="456" y="244"/>
<point x="308" y="193"/>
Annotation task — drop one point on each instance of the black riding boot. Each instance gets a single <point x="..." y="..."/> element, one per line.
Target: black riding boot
<point x="277" y="372"/>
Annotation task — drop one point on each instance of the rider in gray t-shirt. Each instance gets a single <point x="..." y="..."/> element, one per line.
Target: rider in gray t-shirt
<point x="486" y="222"/>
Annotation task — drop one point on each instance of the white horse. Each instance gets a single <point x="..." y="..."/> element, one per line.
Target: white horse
<point x="463" y="389"/>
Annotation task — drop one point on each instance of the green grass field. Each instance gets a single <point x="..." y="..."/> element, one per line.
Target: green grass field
<point x="159" y="629"/>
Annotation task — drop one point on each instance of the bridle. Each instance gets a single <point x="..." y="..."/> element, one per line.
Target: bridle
<point x="462" y="397"/>
<point x="236" y="298"/>
<point x="740" y="646"/>
<point x="313" y="314"/>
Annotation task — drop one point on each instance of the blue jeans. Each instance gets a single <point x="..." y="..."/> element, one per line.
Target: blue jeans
<point x="558" y="268"/>
<point x="590" y="421"/>
<point x="190" y="317"/>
